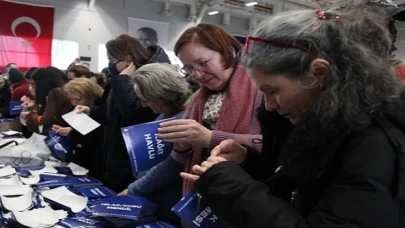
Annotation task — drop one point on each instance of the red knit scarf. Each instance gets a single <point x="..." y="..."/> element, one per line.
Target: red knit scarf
<point x="235" y="115"/>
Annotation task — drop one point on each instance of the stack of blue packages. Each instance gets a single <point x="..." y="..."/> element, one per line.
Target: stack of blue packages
<point x="156" y="225"/>
<point x="73" y="222"/>
<point x="125" y="210"/>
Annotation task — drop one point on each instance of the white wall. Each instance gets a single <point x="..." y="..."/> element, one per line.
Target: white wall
<point x="109" y="19"/>
<point x="73" y="21"/>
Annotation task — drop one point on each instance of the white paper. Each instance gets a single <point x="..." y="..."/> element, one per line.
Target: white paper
<point x="7" y="171"/>
<point x="10" y="180"/>
<point x="14" y="190"/>
<point x="54" y="163"/>
<point x="35" y="138"/>
<point x="46" y="169"/>
<point x="80" y="122"/>
<point x="17" y="202"/>
<point x="10" y="133"/>
<point x="42" y="217"/>
<point x="67" y="198"/>
<point x="78" y="170"/>
<point x="25" y="152"/>
<point x="62" y="214"/>
<point x="38" y="141"/>
<point x="33" y="179"/>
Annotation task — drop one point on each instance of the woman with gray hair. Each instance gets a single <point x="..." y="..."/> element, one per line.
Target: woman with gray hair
<point x="162" y="88"/>
<point x="333" y="133"/>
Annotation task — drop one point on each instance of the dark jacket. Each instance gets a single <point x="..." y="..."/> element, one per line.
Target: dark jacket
<point x="5" y="95"/>
<point x="121" y="108"/>
<point x="160" y="55"/>
<point x="87" y="151"/>
<point x="324" y="178"/>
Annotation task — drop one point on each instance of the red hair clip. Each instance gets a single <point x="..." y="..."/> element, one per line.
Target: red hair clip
<point x="326" y="15"/>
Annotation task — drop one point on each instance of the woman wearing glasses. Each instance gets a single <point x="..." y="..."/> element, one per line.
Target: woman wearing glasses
<point x="342" y="164"/>
<point x="224" y="106"/>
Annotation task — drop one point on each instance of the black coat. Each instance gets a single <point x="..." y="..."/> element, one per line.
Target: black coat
<point x="325" y="179"/>
<point x="121" y="108"/>
<point x="5" y="97"/>
<point x="87" y="151"/>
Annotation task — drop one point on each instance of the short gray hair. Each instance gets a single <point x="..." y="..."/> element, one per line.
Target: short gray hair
<point x="357" y="46"/>
<point x="162" y="81"/>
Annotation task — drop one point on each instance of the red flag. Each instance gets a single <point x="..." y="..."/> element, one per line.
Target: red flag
<point x="26" y="33"/>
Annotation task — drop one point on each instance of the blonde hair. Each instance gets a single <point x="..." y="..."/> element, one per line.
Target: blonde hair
<point x="85" y="87"/>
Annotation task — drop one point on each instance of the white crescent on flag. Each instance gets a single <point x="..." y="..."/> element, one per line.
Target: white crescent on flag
<point x="28" y="20"/>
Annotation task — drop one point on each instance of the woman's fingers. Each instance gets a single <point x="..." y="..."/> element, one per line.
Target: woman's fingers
<point x="189" y="177"/>
<point x="175" y="123"/>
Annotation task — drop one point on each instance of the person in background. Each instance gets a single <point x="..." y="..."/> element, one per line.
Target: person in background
<point x="5" y="96"/>
<point x="78" y="62"/>
<point x="51" y="101"/>
<point x="163" y="89"/>
<point x="342" y="164"/>
<point x="79" y="71"/>
<point x="58" y="73"/>
<point x="193" y="84"/>
<point x="102" y="78"/>
<point x="19" y="86"/>
<point x="147" y="36"/>
<point x="149" y="39"/>
<point x="10" y="66"/>
<point x="217" y="111"/>
<point x="28" y="102"/>
<point x="121" y="106"/>
<point x="29" y="72"/>
<point x="394" y="14"/>
<point x="87" y="150"/>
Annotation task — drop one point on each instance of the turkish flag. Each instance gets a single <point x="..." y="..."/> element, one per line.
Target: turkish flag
<point x="26" y="33"/>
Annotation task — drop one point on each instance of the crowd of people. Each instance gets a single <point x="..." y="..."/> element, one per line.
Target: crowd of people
<point x="300" y="127"/>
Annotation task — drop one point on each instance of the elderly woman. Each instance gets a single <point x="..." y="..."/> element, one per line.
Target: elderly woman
<point x="87" y="149"/>
<point x="217" y="111"/>
<point x="342" y="165"/>
<point x="163" y="89"/>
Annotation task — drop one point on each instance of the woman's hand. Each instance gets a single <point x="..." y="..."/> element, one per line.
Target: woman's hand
<point x="63" y="131"/>
<point x="199" y="170"/>
<point x="83" y="109"/>
<point x="27" y="102"/>
<point x="230" y="150"/>
<point x="23" y="115"/>
<point x="185" y="131"/>
<point x="55" y="128"/>
<point x="129" y="70"/>
<point x="123" y="193"/>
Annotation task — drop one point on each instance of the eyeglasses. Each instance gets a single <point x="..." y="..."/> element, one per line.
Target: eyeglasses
<point x="188" y="70"/>
<point x="276" y="44"/>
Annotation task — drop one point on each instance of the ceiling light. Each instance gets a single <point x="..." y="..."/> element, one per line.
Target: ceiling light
<point x="213" y="12"/>
<point x="251" y="3"/>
